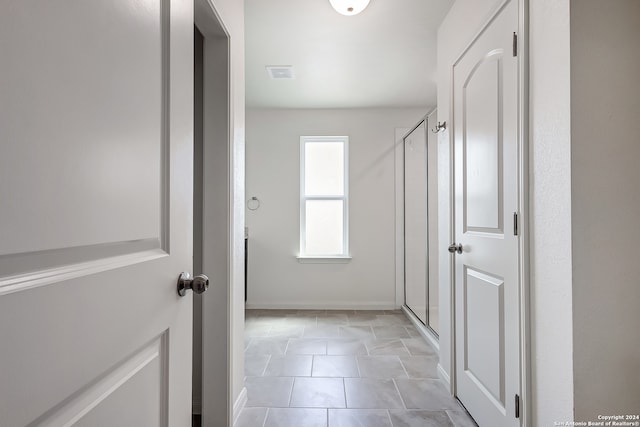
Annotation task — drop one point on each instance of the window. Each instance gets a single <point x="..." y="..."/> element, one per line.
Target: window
<point x="324" y="204"/>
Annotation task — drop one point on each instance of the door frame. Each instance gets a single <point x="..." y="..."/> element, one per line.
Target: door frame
<point x="216" y="249"/>
<point x="424" y="120"/>
<point x="523" y="207"/>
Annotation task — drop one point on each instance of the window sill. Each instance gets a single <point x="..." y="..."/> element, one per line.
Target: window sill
<point x="324" y="259"/>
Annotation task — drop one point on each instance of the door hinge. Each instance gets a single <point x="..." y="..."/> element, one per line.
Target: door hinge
<point x="515" y="44"/>
<point x="517" y="408"/>
<point x="515" y="223"/>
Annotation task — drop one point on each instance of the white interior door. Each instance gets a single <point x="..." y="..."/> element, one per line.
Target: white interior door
<point x="415" y="221"/>
<point x="485" y="80"/>
<point x="95" y="219"/>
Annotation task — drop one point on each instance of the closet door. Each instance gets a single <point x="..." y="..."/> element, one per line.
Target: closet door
<point x="415" y="221"/>
<point x="433" y="293"/>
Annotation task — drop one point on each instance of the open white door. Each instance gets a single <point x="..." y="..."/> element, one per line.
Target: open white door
<point x="95" y="219"/>
<point x="487" y="301"/>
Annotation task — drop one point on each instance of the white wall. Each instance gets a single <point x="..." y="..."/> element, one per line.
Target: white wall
<point x="276" y="278"/>
<point x="605" y="175"/>
<point x="550" y="195"/>
<point x="550" y="211"/>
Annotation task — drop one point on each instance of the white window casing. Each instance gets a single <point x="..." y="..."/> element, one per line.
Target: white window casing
<point x="324" y="199"/>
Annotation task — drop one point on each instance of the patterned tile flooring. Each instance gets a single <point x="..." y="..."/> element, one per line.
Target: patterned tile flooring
<point x="330" y="368"/>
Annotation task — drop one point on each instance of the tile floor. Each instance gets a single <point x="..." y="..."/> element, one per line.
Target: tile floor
<point x="342" y="368"/>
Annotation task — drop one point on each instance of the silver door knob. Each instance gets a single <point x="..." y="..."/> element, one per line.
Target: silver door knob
<point x="453" y="248"/>
<point x="197" y="284"/>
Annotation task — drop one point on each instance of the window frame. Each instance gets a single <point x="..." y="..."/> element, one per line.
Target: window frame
<point x="345" y="256"/>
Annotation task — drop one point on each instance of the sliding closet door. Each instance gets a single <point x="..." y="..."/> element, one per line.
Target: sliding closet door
<point x="416" y="220"/>
<point x="433" y="297"/>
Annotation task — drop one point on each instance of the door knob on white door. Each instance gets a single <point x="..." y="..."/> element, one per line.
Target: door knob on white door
<point x="453" y="248"/>
<point x="197" y="284"/>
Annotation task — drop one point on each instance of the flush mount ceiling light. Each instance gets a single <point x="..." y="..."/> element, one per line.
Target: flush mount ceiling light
<point x="349" y="7"/>
<point x="280" y="72"/>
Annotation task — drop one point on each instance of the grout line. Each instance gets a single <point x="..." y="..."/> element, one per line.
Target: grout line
<point x="403" y="367"/>
<point x="344" y="390"/>
<point x="450" y="419"/>
<point x="399" y="394"/>
<point x="313" y="361"/>
<point x="406" y="348"/>
<point x="304" y="329"/>
<point x="407" y="330"/>
<point x="266" y="414"/>
<point x="264" y="371"/>
<point x="293" y="383"/>
<point x="389" y="416"/>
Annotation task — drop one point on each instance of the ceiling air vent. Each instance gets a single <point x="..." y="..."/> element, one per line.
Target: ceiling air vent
<point x="280" y="72"/>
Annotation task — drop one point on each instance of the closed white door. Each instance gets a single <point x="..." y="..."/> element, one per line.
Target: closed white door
<point x="487" y="316"/>
<point x="415" y="221"/>
<point x="96" y="131"/>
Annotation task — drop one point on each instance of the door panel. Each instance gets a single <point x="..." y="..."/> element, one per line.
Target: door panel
<point x="96" y="184"/>
<point x="91" y="86"/>
<point x="483" y="146"/>
<point x="485" y="105"/>
<point x="484" y="329"/>
<point x="143" y="375"/>
<point x="415" y="222"/>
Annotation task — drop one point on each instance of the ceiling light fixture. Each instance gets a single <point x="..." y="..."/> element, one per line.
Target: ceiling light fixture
<point x="280" y="72"/>
<point x="349" y="7"/>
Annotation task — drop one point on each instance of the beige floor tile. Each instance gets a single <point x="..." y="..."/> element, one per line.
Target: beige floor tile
<point x="295" y="417"/>
<point x="318" y="393"/>
<point x="359" y="418"/>
<point x="346" y="346"/>
<point x="289" y="366"/>
<point x="420" y="366"/>
<point x="426" y="394"/>
<point x="335" y="366"/>
<point x="381" y="367"/>
<point x="372" y="393"/>
<point x="307" y="346"/>
<point x="268" y="391"/>
<point x="419" y="418"/>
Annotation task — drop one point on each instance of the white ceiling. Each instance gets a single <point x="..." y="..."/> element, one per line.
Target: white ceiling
<point x="383" y="57"/>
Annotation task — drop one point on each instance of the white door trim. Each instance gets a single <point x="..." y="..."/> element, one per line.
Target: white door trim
<point x="217" y="189"/>
<point x="399" y="213"/>
<point x="523" y="206"/>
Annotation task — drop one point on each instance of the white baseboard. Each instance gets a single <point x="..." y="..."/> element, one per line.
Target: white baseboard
<point x="239" y="404"/>
<point x="426" y="333"/>
<point x="433" y="340"/>
<point x="444" y="376"/>
<point x="390" y="305"/>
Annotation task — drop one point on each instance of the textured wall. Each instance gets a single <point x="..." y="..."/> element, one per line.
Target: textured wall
<point x="605" y="150"/>
<point x="550" y="227"/>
